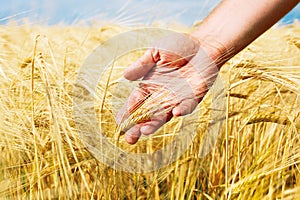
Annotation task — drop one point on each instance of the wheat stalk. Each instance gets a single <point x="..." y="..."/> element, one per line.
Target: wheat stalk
<point x="144" y="110"/>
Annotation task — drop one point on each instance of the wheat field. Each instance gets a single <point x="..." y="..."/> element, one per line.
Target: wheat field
<point x="256" y="156"/>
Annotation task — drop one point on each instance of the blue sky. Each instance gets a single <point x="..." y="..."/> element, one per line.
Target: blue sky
<point x="128" y="12"/>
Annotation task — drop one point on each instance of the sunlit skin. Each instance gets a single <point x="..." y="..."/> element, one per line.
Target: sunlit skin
<point x="232" y="26"/>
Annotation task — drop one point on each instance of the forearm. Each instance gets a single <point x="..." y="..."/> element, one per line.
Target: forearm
<point x="234" y="24"/>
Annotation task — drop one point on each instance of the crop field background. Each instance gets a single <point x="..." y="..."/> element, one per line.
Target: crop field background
<point x="256" y="156"/>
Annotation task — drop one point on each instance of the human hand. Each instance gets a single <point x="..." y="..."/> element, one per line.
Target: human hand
<point x="176" y="74"/>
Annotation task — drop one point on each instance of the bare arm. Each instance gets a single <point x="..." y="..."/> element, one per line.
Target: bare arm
<point x="236" y="23"/>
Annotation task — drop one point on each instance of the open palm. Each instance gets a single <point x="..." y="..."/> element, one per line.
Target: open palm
<point x="175" y="74"/>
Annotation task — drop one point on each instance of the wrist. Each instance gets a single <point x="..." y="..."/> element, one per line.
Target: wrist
<point x="218" y="52"/>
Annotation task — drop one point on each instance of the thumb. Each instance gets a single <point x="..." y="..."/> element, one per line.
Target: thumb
<point x="140" y="67"/>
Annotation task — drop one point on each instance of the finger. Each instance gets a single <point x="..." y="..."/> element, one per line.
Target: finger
<point x="133" y="134"/>
<point x="136" y="98"/>
<point x="186" y="107"/>
<point x="162" y="102"/>
<point x="141" y="67"/>
<point x="171" y="60"/>
<point x="153" y="125"/>
<point x="161" y="114"/>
